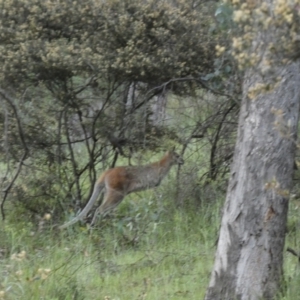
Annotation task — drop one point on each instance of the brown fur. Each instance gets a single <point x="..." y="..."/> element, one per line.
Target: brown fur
<point x="121" y="181"/>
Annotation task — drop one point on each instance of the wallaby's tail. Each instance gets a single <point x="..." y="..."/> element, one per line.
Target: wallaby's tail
<point x="97" y="190"/>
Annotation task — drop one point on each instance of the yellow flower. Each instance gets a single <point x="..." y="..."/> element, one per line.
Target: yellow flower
<point x="22" y="254"/>
<point x="47" y="217"/>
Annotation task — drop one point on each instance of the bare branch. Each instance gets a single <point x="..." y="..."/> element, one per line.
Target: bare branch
<point x="292" y="251"/>
<point x="6" y="190"/>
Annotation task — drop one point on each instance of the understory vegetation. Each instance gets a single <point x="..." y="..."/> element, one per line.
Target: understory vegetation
<point x="147" y="249"/>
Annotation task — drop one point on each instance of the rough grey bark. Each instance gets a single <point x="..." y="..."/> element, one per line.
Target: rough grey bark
<point x="248" y="262"/>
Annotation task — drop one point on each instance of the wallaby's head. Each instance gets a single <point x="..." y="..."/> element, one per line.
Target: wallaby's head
<point x="175" y="157"/>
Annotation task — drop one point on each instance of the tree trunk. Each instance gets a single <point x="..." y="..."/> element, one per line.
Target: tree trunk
<point x="159" y="109"/>
<point x="249" y="257"/>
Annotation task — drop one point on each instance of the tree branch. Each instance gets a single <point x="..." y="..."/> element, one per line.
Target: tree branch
<point x="6" y="190"/>
<point x="292" y="251"/>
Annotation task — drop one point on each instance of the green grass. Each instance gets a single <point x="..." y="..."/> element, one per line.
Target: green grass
<point x="291" y="263"/>
<point x="148" y="250"/>
<point x="155" y="252"/>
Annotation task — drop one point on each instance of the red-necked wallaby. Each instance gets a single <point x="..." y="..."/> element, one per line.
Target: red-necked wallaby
<point x="121" y="181"/>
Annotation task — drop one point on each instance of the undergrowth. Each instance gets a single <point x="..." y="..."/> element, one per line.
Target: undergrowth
<point x="147" y="250"/>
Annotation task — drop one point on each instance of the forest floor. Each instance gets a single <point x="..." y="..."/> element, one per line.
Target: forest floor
<point x="153" y="252"/>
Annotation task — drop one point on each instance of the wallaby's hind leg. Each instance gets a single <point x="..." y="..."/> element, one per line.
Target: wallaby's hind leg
<point x="111" y="199"/>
